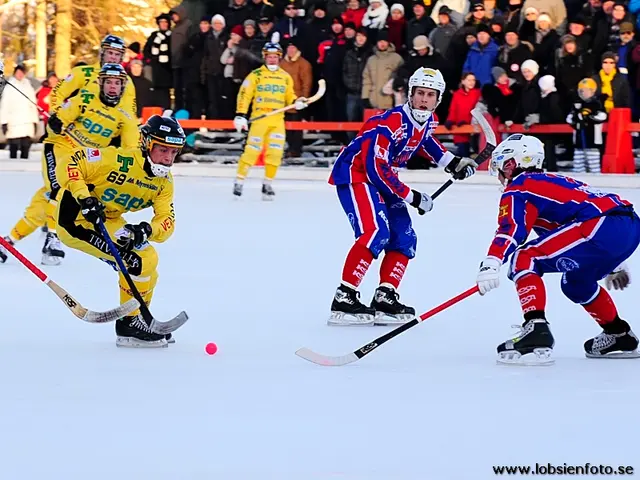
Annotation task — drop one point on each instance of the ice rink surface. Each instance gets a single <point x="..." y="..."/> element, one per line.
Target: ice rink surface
<point x="258" y="279"/>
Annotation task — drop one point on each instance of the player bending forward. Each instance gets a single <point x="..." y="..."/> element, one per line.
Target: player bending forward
<point x="375" y="200"/>
<point x="102" y="185"/>
<point x="582" y="233"/>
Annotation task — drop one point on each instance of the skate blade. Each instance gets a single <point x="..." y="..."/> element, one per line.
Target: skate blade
<point x="541" y="357"/>
<point x="615" y="355"/>
<point x="383" y="319"/>
<point x="339" y="319"/>
<point x="51" y="261"/>
<point x="267" y="198"/>
<point x="130" y="342"/>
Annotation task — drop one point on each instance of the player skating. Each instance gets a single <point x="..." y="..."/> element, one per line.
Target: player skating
<point x="103" y="184"/>
<point x="583" y="233"/>
<point x="375" y="199"/>
<point x="266" y="89"/>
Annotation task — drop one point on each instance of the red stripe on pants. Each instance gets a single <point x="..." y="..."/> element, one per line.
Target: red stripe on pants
<point x="364" y="210"/>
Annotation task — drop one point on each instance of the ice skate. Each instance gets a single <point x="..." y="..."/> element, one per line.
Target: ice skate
<point x="348" y="310"/>
<point x="616" y="341"/>
<point x="169" y="338"/>
<point x="531" y="346"/>
<point x="3" y="253"/>
<point x="133" y="332"/>
<point x="389" y="311"/>
<point x="52" y="253"/>
<point x="267" y="192"/>
<point x="237" y="189"/>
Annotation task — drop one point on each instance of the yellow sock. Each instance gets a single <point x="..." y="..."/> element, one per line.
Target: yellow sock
<point x="270" y="171"/>
<point x="145" y="286"/>
<point x="243" y="170"/>
<point x="50" y="211"/>
<point x="22" y="229"/>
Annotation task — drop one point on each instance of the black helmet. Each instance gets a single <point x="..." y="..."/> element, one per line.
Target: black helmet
<point x="112" y="70"/>
<point x="162" y="131"/>
<point x="113" y="42"/>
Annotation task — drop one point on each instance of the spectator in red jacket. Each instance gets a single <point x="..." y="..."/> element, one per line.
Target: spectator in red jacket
<point x="464" y="100"/>
<point x="43" y="95"/>
<point x="354" y="13"/>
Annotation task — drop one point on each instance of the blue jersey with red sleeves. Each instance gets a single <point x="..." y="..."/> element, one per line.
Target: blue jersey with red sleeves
<point x="543" y="202"/>
<point x="386" y="142"/>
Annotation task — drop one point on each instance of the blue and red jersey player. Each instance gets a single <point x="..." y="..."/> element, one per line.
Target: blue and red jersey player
<point x="375" y="199"/>
<point x="584" y="234"/>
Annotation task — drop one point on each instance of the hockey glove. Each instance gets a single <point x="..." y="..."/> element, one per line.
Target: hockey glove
<point x="421" y="201"/>
<point x="92" y="210"/>
<point x="240" y="123"/>
<point x="55" y="124"/>
<point x="489" y="275"/>
<point x="132" y="237"/>
<point x="301" y="103"/>
<point x="619" y="279"/>
<point x="461" y="167"/>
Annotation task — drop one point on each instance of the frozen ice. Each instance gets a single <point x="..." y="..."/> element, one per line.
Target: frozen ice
<point x="257" y="279"/>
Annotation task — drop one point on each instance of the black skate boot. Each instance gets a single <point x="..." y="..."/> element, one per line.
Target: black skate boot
<point x="52" y="253"/>
<point x="389" y="311"/>
<point x="267" y="192"/>
<point x="169" y="338"/>
<point x="237" y="189"/>
<point x="347" y="309"/>
<point x="534" y="343"/>
<point x="3" y="253"/>
<point x="616" y="341"/>
<point x="133" y="332"/>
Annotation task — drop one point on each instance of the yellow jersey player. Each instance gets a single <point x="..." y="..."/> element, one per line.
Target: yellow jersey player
<point x="266" y="89"/>
<point x="83" y="80"/>
<point x="82" y="121"/>
<point x="102" y="185"/>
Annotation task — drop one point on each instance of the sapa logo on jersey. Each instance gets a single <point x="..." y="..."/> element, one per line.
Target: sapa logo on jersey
<point x="93" y="155"/>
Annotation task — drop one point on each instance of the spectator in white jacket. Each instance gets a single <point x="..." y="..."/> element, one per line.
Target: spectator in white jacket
<point x="18" y="115"/>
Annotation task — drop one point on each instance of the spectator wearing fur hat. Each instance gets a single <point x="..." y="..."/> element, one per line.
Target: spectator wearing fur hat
<point x="441" y="36"/>
<point x="354" y="13"/>
<point x="375" y="18"/>
<point x="355" y="60"/>
<point x="377" y="73"/>
<point x="157" y="54"/>
<point x="397" y="26"/>
<point x="528" y="108"/>
<point x="546" y="42"/>
<point x="513" y="53"/>
<point x="420" y="24"/>
<point x="551" y="113"/>
<point x="613" y="87"/>
<point x="482" y="56"/>
<point x="556" y="10"/>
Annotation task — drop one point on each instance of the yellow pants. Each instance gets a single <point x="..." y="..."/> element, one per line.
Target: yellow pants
<point x="79" y="234"/>
<point x="267" y="134"/>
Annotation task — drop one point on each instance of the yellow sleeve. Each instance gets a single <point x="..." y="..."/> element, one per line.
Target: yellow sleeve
<point x="73" y="171"/>
<point x="129" y="99"/>
<point x="245" y="95"/>
<point x="164" y="218"/>
<point x="68" y="112"/>
<point x="64" y="88"/>
<point x="129" y="133"/>
<point x="290" y="92"/>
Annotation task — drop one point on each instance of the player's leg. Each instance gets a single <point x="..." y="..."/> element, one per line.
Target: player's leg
<point x="252" y="150"/>
<point x="141" y="263"/>
<point x="272" y="158"/>
<point x="593" y="160"/>
<point x="52" y="253"/>
<point x="31" y="220"/>
<point x="400" y="249"/>
<point x="365" y="209"/>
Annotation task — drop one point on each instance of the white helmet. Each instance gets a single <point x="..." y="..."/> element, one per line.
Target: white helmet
<point x="427" y="78"/>
<point x="517" y="151"/>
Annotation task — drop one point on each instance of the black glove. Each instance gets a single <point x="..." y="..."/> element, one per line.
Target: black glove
<point x="5" y="128"/>
<point x="130" y="236"/>
<point x="55" y="124"/>
<point x="461" y="167"/>
<point x="92" y="210"/>
<point x="366" y="103"/>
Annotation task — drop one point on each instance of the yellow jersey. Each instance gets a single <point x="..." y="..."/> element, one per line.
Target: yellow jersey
<point x="265" y="91"/>
<point x="118" y="179"/>
<point x="83" y="80"/>
<point x="87" y="122"/>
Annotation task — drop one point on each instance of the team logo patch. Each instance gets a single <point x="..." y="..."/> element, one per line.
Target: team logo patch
<point x="564" y="264"/>
<point x="68" y="78"/>
<point x="93" y="155"/>
<point x="164" y="128"/>
<point x="176" y="140"/>
<point x="504" y="210"/>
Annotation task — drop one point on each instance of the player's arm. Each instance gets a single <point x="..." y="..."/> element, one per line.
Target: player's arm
<point x="243" y="102"/>
<point x="129" y="132"/>
<point x="64" y="88"/>
<point x="66" y="114"/>
<point x="459" y="167"/>
<point x="163" y="222"/>
<point x="379" y="171"/>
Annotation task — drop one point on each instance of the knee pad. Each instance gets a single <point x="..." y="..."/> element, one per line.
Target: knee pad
<point x="578" y="290"/>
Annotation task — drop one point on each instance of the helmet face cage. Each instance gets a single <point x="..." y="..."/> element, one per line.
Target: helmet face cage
<point x="112" y="70"/>
<point x="111" y="42"/>
<point x="426" y="78"/>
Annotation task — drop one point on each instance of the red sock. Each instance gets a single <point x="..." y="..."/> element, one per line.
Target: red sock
<point x="392" y="268"/>
<point x="602" y="308"/>
<point x="533" y="295"/>
<point x="356" y="264"/>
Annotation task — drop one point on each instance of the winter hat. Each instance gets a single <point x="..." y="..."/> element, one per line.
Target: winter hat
<point x="608" y="56"/>
<point x="444" y="10"/>
<point x="579" y="20"/>
<point x="362" y="31"/>
<point x="375" y="1"/>
<point x="476" y="6"/>
<point x="248" y="22"/>
<point x="135" y="47"/>
<point x="383" y="35"/>
<point x="163" y="16"/>
<point x="420" y="42"/>
<point x="238" y="30"/>
<point x="531" y="10"/>
<point x="205" y="18"/>
<point x="531" y="65"/>
<point x="350" y="25"/>
<point x="219" y="18"/>
<point x="547" y="83"/>
<point x="568" y="38"/>
<point x="626" y="27"/>
<point x="483" y="27"/>
<point x="397" y="6"/>
<point x="337" y="19"/>
<point x="511" y="29"/>
<point x="497" y="72"/>
<point x="543" y="17"/>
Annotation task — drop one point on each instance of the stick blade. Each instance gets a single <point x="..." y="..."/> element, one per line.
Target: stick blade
<point x="326" y="361"/>
<point x="162" y="328"/>
<point x="111" y="315"/>
<point x="484" y="125"/>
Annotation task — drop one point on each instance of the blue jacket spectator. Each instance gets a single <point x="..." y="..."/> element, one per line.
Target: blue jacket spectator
<point x="482" y="56"/>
